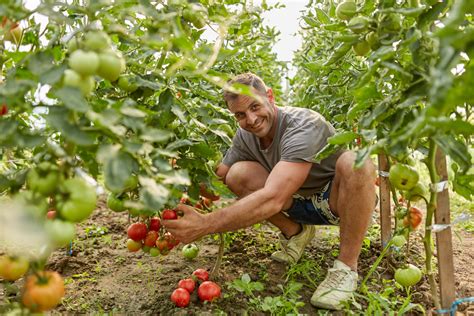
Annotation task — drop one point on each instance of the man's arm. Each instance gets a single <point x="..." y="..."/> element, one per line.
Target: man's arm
<point x="284" y="180"/>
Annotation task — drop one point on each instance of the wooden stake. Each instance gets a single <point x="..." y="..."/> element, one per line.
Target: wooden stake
<point x="385" y="208"/>
<point x="444" y="238"/>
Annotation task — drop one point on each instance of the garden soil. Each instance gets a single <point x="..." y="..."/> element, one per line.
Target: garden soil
<point x="102" y="276"/>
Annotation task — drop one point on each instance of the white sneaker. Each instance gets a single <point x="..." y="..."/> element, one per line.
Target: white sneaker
<point x="292" y="249"/>
<point x="336" y="288"/>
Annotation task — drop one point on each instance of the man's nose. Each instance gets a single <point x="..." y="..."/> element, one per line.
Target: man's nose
<point x="251" y="118"/>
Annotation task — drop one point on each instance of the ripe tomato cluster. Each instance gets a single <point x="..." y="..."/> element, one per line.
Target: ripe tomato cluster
<point x="207" y="291"/>
<point x="151" y="237"/>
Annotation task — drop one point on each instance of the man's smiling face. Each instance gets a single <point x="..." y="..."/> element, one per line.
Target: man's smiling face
<point x="255" y="115"/>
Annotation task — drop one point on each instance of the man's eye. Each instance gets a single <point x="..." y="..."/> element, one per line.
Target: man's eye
<point x="254" y="107"/>
<point x="239" y="116"/>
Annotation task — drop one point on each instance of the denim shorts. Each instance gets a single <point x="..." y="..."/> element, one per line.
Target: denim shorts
<point x="314" y="209"/>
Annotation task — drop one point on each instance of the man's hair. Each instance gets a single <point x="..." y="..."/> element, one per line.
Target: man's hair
<point x="249" y="79"/>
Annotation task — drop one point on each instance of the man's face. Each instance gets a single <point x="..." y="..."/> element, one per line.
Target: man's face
<point x="256" y="116"/>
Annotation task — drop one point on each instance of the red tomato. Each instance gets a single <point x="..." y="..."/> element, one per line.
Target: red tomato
<point x="163" y="246"/>
<point x="187" y="284"/>
<point x="413" y="218"/>
<point x="180" y="297"/>
<point x="51" y="214"/>
<point x="155" y="224"/>
<point x="3" y="109"/>
<point x="201" y="274"/>
<point x="12" y="268"/>
<point x="150" y="239"/>
<point x="203" y="191"/>
<point x="206" y="202"/>
<point x="209" y="291"/>
<point x="137" y="231"/>
<point x="172" y="241"/>
<point x="44" y="292"/>
<point x="198" y="205"/>
<point x="184" y="199"/>
<point x="169" y="214"/>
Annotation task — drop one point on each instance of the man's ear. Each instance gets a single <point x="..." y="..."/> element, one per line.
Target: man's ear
<point x="270" y="96"/>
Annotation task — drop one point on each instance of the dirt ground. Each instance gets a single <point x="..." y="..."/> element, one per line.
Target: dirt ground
<point x="103" y="277"/>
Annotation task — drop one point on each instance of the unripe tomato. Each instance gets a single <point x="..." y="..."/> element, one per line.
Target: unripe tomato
<point x="97" y="40"/>
<point x="346" y="10"/>
<point x="154" y="252"/>
<point x="399" y="240"/>
<point x="13" y="268"/>
<point x="163" y="246"/>
<point x="84" y="63"/>
<point x="408" y="276"/>
<point x="372" y="39"/>
<point x="133" y="245"/>
<point x="44" y="292"/>
<point x="190" y="251"/>
<point x="180" y="297"/>
<point x="403" y="177"/>
<point x="110" y="66"/>
<point x="84" y="83"/>
<point x="125" y="82"/>
<point x="61" y="233"/>
<point x="78" y="200"/>
<point x="209" y="291"/>
<point x="44" y="178"/>
<point x="358" y="24"/>
<point x="416" y="193"/>
<point x="361" y="49"/>
<point x="115" y="204"/>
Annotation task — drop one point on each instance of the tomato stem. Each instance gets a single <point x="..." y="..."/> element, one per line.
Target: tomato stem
<point x="220" y="254"/>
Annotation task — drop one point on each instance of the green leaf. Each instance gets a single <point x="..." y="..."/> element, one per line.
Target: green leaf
<point x="176" y="177"/>
<point x="119" y="166"/>
<point x="456" y="150"/>
<point x="72" y="98"/>
<point x="58" y="119"/>
<point x="342" y="138"/>
<point x="322" y="16"/>
<point x="155" y="135"/>
<point x="152" y="194"/>
<point x="456" y="126"/>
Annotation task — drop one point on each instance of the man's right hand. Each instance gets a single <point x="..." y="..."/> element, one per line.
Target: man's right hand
<point x="190" y="226"/>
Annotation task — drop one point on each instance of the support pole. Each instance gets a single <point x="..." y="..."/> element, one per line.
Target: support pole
<point x="384" y="195"/>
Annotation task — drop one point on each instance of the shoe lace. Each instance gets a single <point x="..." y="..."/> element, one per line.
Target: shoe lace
<point x="335" y="277"/>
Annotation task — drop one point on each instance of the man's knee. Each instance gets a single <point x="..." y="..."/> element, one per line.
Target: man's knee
<point x="345" y="167"/>
<point x="245" y="176"/>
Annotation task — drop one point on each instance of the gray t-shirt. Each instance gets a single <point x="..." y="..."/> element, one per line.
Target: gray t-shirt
<point x="300" y="135"/>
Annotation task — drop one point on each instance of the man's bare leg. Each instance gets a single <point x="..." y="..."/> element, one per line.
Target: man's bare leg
<point x="353" y="200"/>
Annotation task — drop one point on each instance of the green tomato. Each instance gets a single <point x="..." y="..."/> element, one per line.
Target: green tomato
<point x="78" y="200"/>
<point x="111" y="66"/>
<point x="115" y="204"/>
<point x="391" y="22"/>
<point x="13" y="268"/>
<point x="73" y="79"/>
<point x="125" y="82"/>
<point x="399" y="240"/>
<point x="97" y="40"/>
<point x="154" y="252"/>
<point x="358" y="24"/>
<point x="60" y="233"/>
<point x="403" y="177"/>
<point x="190" y="251"/>
<point x="44" y="178"/>
<point x="196" y="15"/>
<point x="408" y="276"/>
<point x="416" y="193"/>
<point x="372" y="39"/>
<point x="361" y="48"/>
<point x="84" y="63"/>
<point x="346" y="10"/>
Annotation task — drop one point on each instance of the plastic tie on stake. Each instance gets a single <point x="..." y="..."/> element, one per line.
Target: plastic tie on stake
<point x="436" y="228"/>
<point x="384" y="174"/>
<point x="439" y="187"/>
<point x="452" y="311"/>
